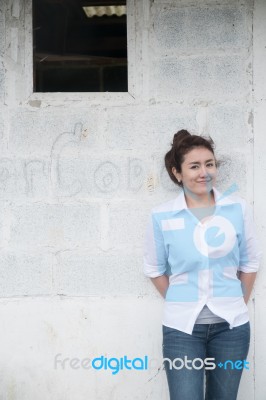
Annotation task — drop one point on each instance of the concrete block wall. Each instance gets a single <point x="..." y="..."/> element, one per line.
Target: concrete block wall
<point x="79" y="174"/>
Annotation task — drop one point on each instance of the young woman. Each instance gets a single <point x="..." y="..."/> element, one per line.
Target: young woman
<point x="202" y="256"/>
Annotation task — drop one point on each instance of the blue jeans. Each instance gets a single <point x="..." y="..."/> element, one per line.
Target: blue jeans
<point x="216" y="341"/>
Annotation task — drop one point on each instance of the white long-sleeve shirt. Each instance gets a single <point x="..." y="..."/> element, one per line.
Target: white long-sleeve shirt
<point x="202" y="259"/>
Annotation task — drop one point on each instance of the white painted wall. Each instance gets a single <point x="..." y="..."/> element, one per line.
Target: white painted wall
<point x="259" y="51"/>
<point x="79" y="173"/>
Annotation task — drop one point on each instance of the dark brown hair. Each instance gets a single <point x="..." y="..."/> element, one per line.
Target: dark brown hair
<point x="184" y="142"/>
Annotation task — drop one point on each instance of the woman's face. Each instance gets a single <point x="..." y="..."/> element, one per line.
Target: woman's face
<point x="198" y="171"/>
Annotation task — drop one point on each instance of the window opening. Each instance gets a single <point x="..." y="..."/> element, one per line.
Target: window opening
<point x="80" y="46"/>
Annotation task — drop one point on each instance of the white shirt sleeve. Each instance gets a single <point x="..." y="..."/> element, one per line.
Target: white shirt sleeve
<point x="250" y="253"/>
<point x="155" y="256"/>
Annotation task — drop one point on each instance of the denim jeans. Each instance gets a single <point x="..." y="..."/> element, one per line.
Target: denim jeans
<point x="216" y="341"/>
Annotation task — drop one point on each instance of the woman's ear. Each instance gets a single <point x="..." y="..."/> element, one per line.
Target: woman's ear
<point x="177" y="174"/>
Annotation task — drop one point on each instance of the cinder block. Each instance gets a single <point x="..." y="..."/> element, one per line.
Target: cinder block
<point x="2" y="31"/>
<point x="2" y="81"/>
<point x="36" y="178"/>
<point x="81" y="273"/>
<point x="2" y="130"/>
<point x="52" y="133"/>
<point x="146" y="128"/>
<point x="169" y="27"/>
<point x="187" y="29"/>
<point x="202" y="78"/>
<point x="218" y="27"/>
<point x="227" y="125"/>
<point x="21" y="179"/>
<point x="26" y="274"/>
<point x="12" y="181"/>
<point x="2" y="223"/>
<point x="89" y="176"/>
<point x="8" y="178"/>
<point x="55" y="225"/>
<point x="124" y="232"/>
<point x="121" y="128"/>
<point x="230" y="78"/>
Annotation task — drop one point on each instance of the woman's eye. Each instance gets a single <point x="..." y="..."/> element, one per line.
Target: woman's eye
<point x="210" y="165"/>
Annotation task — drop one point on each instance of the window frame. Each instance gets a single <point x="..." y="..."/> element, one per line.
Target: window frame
<point x="135" y="19"/>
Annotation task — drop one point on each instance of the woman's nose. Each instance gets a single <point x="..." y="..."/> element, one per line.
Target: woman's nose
<point x="203" y="171"/>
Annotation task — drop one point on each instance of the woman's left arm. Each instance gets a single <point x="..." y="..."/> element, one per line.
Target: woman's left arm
<point x="247" y="281"/>
<point x="250" y="255"/>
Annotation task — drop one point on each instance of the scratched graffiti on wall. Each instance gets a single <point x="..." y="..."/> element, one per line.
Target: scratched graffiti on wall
<point x="71" y="171"/>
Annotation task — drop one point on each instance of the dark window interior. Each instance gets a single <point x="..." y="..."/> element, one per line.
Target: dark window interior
<point x="76" y="53"/>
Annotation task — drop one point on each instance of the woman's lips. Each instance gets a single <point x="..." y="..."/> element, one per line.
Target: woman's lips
<point x="204" y="181"/>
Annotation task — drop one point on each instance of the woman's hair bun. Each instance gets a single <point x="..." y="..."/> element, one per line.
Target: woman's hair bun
<point x="180" y="136"/>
